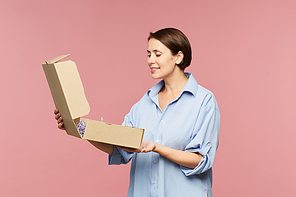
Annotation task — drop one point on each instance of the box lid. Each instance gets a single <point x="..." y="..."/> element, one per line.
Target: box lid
<point x="66" y="87"/>
<point x="56" y="59"/>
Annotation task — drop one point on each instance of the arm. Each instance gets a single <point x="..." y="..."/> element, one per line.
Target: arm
<point x="107" y="148"/>
<point x="183" y="158"/>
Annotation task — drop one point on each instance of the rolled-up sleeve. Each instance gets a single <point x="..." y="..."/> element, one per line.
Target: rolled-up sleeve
<point x="119" y="156"/>
<point x="205" y="140"/>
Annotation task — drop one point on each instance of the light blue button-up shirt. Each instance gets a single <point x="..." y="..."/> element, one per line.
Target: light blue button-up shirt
<point x="190" y="123"/>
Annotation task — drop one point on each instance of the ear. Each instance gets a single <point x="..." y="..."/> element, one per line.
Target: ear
<point x="180" y="57"/>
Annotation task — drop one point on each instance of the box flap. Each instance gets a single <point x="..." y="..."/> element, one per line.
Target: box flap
<point x="72" y="88"/>
<point x="56" y="59"/>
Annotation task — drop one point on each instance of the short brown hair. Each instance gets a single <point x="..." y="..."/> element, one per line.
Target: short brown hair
<point x="176" y="41"/>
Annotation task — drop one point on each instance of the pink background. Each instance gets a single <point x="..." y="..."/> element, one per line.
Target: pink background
<point x="243" y="51"/>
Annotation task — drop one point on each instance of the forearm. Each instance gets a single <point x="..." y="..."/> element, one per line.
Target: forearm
<point x="183" y="158"/>
<point x="107" y="148"/>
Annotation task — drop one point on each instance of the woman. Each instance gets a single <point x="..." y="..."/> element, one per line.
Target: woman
<point x="181" y="121"/>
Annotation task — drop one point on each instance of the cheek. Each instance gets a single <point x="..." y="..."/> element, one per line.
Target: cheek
<point x="169" y="62"/>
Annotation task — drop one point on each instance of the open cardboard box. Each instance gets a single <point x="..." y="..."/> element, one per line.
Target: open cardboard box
<point x="69" y="97"/>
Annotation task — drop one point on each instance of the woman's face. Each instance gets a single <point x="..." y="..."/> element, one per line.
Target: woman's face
<point x="160" y="60"/>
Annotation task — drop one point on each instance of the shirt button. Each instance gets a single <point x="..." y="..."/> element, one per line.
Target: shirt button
<point x="162" y="121"/>
<point x="155" y="161"/>
<point x="156" y="141"/>
<point x="153" y="182"/>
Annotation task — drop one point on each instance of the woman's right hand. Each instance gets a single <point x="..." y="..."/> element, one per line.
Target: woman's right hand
<point x="59" y="119"/>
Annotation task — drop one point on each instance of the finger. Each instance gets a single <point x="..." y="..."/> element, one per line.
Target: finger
<point x="61" y="126"/>
<point x="60" y="119"/>
<point x="57" y="116"/>
<point x="144" y="150"/>
<point x="56" y="111"/>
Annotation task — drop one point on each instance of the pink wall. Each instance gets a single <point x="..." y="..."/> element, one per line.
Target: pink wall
<point x="244" y="51"/>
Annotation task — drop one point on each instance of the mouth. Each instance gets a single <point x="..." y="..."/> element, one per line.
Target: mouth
<point x="154" y="69"/>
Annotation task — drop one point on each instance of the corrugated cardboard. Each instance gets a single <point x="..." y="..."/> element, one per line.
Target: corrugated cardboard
<point x="69" y="97"/>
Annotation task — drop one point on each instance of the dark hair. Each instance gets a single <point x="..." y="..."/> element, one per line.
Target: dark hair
<point x="176" y="41"/>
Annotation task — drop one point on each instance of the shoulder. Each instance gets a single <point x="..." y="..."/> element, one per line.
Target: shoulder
<point x="202" y="95"/>
<point x="207" y="97"/>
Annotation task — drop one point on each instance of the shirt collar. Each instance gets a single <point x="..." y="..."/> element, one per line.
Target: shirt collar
<point x="191" y="86"/>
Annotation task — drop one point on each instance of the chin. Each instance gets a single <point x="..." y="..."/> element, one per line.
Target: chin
<point x="156" y="76"/>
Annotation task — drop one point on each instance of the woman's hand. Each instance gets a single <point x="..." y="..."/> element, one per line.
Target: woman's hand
<point x="148" y="146"/>
<point x="59" y="119"/>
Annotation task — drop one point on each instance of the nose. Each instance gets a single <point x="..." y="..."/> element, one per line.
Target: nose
<point x="151" y="60"/>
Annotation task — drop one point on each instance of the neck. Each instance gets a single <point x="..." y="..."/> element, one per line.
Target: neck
<point x="175" y="83"/>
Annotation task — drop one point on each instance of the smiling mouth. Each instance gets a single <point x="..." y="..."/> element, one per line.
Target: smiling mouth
<point x="153" y="69"/>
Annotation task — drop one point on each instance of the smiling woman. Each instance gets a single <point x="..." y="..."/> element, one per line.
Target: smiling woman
<point x="181" y="121"/>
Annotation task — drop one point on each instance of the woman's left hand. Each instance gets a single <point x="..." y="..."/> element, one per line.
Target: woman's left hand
<point x="148" y="146"/>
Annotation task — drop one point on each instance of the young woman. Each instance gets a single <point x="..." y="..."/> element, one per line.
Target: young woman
<point x="181" y="121"/>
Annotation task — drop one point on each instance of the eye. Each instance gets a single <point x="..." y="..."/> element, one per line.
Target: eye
<point x="149" y="55"/>
<point x="158" y="54"/>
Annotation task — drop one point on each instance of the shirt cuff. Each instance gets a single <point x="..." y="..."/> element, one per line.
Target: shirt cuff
<point x="119" y="156"/>
<point x="204" y="163"/>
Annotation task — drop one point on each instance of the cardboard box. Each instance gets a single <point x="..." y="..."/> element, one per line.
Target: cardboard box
<point x="69" y="97"/>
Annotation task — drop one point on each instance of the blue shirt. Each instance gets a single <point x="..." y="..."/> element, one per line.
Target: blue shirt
<point x="190" y="123"/>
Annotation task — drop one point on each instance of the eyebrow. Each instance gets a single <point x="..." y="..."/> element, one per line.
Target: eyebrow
<point x="155" y="50"/>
